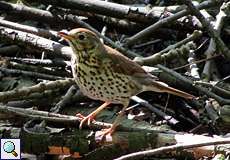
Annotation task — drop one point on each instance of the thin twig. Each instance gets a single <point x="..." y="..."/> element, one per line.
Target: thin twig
<point x="35" y="41"/>
<point x="41" y="87"/>
<point x="142" y="154"/>
<point x="17" y="72"/>
<point x="209" y="67"/>
<point x="43" y="62"/>
<point x="139" y="14"/>
<point x="169" y="119"/>
<point x="192" y="85"/>
<point x="25" y="28"/>
<point x="49" y="72"/>
<point x="215" y="89"/>
<point x="197" y="62"/>
<point x="211" y="31"/>
<point x="48" y="116"/>
<point x="156" y="58"/>
<point x="149" y="30"/>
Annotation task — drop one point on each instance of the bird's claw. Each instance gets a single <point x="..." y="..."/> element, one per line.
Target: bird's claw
<point x="84" y="119"/>
<point x="105" y="132"/>
<point x="104" y="135"/>
<point x="79" y="115"/>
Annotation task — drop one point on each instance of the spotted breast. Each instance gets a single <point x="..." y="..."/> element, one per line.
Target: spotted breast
<point x="100" y="82"/>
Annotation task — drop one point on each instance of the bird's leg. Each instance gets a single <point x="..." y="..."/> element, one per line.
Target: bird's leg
<point x="91" y="116"/>
<point x="117" y="121"/>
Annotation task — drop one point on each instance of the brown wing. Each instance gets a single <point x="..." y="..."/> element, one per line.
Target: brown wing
<point x="126" y="66"/>
<point x="122" y="64"/>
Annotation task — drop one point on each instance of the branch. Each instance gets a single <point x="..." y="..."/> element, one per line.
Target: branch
<point x="198" y="88"/>
<point x="41" y="87"/>
<point x="139" y="14"/>
<point x="43" y="62"/>
<point x="160" y="57"/>
<point x="141" y="154"/>
<point x="48" y="116"/>
<point x="149" y="30"/>
<point x="32" y="74"/>
<point x="35" y="41"/>
<point x="29" y="29"/>
<point x="209" y="67"/>
<point x="32" y="13"/>
<point x="211" y="31"/>
<point x="220" y="91"/>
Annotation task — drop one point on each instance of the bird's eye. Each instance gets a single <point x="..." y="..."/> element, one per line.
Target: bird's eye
<point x="81" y="37"/>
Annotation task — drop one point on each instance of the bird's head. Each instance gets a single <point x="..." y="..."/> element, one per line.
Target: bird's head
<point x="83" y="42"/>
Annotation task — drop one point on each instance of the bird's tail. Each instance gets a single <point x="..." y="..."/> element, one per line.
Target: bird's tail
<point x="163" y="87"/>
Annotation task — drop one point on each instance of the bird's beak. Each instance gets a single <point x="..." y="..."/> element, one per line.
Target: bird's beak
<point x="65" y="35"/>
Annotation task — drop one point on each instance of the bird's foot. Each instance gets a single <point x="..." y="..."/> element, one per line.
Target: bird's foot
<point x="104" y="135"/>
<point x="88" y="119"/>
<point x="104" y="132"/>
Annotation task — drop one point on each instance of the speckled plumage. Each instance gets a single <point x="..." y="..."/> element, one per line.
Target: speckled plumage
<point x="102" y="83"/>
<point x="103" y="73"/>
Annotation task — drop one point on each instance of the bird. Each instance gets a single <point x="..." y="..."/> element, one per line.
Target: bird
<point x="103" y="73"/>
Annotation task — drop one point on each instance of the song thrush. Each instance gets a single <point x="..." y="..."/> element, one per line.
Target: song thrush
<point x="103" y="73"/>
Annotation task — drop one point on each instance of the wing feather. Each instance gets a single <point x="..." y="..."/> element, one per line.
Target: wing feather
<point x="124" y="65"/>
